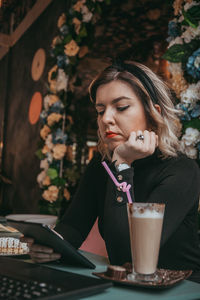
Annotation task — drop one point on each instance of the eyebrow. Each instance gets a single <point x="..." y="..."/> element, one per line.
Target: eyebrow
<point x="114" y="100"/>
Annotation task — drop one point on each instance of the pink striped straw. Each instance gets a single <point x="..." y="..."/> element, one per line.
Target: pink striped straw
<point x="123" y="185"/>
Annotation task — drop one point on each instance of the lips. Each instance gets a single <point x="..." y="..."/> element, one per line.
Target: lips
<point x="110" y="134"/>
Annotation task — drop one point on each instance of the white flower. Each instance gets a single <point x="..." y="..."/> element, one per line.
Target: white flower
<point x="177" y="40"/>
<point x="49" y="100"/>
<point x="48" y="142"/>
<point x="41" y="177"/>
<point x="189" y="5"/>
<point x="191" y="152"/>
<point x="191" y="136"/>
<point x="44" y="164"/>
<point x="49" y="157"/>
<point x="62" y="81"/>
<point x="191" y="95"/>
<point x="190" y="33"/>
<point x="87" y="15"/>
<point x="197" y="62"/>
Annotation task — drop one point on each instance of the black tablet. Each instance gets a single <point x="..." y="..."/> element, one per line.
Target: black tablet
<point x="44" y="235"/>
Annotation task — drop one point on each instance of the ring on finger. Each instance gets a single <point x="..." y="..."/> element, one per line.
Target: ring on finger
<point x="140" y="137"/>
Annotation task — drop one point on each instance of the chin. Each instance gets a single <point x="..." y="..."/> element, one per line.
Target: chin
<point x="111" y="146"/>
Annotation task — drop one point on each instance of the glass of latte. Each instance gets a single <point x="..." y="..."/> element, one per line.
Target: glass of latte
<point x="145" y="226"/>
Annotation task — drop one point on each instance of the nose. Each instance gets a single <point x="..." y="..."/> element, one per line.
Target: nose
<point x="108" y="117"/>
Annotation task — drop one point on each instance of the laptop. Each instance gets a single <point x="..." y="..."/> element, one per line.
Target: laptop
<point x="22" y="280"/>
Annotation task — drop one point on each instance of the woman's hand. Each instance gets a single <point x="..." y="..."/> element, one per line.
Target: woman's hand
<point x="134" y="148"/>
<point x="39" y="253"/>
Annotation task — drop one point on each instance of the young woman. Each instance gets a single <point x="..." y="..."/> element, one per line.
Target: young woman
<point x="138" y="136"/>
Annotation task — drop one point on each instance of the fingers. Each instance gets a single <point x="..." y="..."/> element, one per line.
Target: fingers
<point x="148" y="143"/>
<point x="41" y="257"/>
<point x="41" y="248"/>
<point x="40" y="253"/>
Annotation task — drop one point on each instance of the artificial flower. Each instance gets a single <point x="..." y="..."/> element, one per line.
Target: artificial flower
<point x="51" y="194"/>
<point x="48" y="141"/>
<point x="71" y="49"/>
<point x="59" y="151"/>
<point x="50" y="73"/>
<point x="43" y="116"/>
<point x="59" y="137"/>
<point x="190" y="33"/>
<point x="79" y="4"/>
<point x="193" y="64"/>
<point x="173" y="29"/>
<point x="87" y="15"/>
<point x="190" y="151"/>
<point x="61" y="20"/>
<point x="57" y="107"/>
<point x="46" y="181"/>
<point x="41" y="177"/>
<point x="77" y="25"/>
<point x="45" y="149"/>
<point x="56" y="41"/>
<point x="64" y="29"/>
<point x="49" y="157"/>
<point x="195" y="113"/>
<point x="44" y="132"/>
<point x="62" y="61"/>
<point x="189" y="4"/>
<point x="191" y="136"/>
<point x="177" y="6"/>
<point x="53" y="118"/>
<point x="83" y="51"/>
<point x="62" y="80"/>
<point x="44" y="164"/>
<point x="191" y="95"/>
<point x="49" y="100"/>
<point x="177" y="40"/>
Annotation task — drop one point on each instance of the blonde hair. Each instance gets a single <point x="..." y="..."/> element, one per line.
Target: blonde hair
<point x="151" y="90"/>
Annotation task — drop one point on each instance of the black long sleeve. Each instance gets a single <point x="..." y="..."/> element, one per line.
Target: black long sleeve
<point x="173" y="181"/>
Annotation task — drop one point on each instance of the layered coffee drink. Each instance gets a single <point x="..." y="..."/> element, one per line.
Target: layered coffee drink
<point x="145" y="225"/>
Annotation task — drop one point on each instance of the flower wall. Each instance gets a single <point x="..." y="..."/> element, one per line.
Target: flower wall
<point x="59" y="172"/>
<point x="183" y="54"/>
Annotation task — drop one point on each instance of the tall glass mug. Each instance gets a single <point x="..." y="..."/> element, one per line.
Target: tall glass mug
<point x="145" y="226"/>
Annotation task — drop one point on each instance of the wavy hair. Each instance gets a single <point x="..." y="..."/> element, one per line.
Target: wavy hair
<point x="151" y="90"/>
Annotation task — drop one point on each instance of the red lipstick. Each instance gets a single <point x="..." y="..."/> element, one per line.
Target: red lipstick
<point x="110" y="134"/>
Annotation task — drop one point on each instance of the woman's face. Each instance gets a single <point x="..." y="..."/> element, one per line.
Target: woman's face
<point x="120" y="112"/>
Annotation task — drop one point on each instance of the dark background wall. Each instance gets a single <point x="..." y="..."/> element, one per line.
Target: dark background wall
<point x="17" y="87"/>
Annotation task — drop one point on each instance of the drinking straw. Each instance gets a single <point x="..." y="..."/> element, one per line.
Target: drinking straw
<point x="123" y="185"/>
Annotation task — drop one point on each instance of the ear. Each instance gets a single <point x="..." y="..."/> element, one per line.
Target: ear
<point x="157" y="107"/>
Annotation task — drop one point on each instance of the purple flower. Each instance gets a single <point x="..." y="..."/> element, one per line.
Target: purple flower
<point x="193" y="64"/>
<point x="59" y="137"/>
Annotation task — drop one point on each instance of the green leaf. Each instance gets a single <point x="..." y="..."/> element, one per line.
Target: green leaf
<point x="192" y="16"/>
<point x="58" y="181"/>
<point x="99" y="10"/>
<point x="83" y="31"/>
<point x="67" y="39"/>
<point x="39" y="154"/>
<point x="175" y="53"/>
<point x="194" y="123"/>
<point x="52" y="173"/>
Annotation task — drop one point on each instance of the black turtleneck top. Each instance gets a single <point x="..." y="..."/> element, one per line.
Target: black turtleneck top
<point x="173" y="181"/>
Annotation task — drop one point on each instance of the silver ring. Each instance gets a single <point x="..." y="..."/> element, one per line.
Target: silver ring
<point x="140" y="137"/>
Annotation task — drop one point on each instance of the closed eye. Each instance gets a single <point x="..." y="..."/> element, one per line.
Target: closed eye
<point x="100" y="113"/>
<point x="121" y="108"/>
